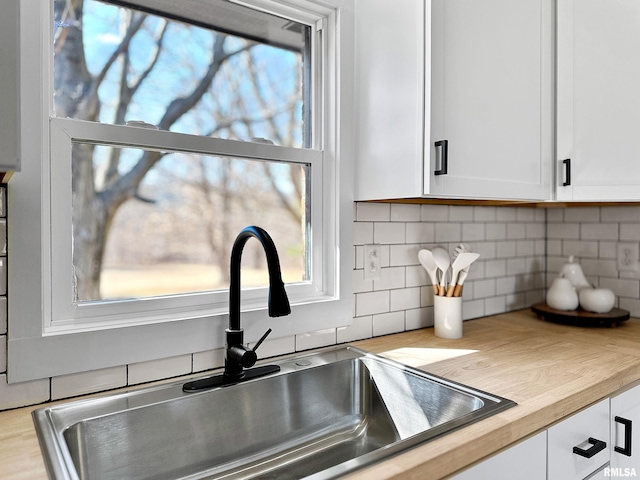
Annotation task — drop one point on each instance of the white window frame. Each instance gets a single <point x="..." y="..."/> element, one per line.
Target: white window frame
<point x="50" y="336"/>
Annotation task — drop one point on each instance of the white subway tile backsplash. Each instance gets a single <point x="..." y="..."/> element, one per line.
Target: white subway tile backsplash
<point x="630" y="232"/>
<point x="317" y="339"/>
<point x="373" y="212"/>
<point x="496" y="231"/>
<point x="416" y="276"/>
<point x="630" y="304"/>
<point x="372" y="302"/>
<point x="495" y="268"/>
<point x="361" y="328"/>
<point x="359" y="284"/>
<point x="404" y="299"/>
<point x="599" y="231"/>
<point x="405" y="213"/>
<point x="83" y="383"/>
<point x="401" y="255"/>
<point x="484" y="214"/>
<point x="507" y="214"/>
<point x="484" y="288"/>
<point x="495" y="305"/>
<point x="506" y="249"/>
<point x="387" y="323"/>
<point x="362" y="233"/>
<point x="390" y="278"/>
<point x="577" y="248"/>
<point x="448" y="232"/>
<point x="3" y="315"/>
<point x="22" y="394"/>
<point x="419" y="318"/>
<point x="158" y="369"/>
<point x="534" y="230"/>
<point x="526" y="215"/>
<point x="555" y="215"/>
<point x="582" y="214"/>
<point x="426" y="296"/>
<point x="525" y="248"/>
<point x="603" y="268"/>
<point x="563" y="231"/>
<point x="211" y="359"/>
<point x="554" y="247"/>
<point x="3" y="354"/>
<point x="621" y="287"/>
<point x="607" y="249"/>
<point x="3" y="275"/>
<point x="388" y="233"/>
<point x="516" y="231"/>
<point x="421" y="233"/>
<point x="473" y="232"/>
<point x="472" y="309"/>
<point x="435" y="213"/>
<point x="621" y="214"/>
<point x="461" y="214"/>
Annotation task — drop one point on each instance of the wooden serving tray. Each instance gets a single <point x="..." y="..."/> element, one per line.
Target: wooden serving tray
<point x="581" y="318"/>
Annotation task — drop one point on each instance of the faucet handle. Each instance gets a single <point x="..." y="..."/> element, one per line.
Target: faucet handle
<point x="243" y="356"/>
<point x="262" y="339"/>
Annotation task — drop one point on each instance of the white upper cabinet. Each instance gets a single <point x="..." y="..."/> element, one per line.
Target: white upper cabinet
<point x="598" y="124"/>
<point x="9" y="91"/>
<point x="479" y="76"/>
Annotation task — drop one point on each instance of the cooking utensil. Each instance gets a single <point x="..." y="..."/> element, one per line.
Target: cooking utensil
<point x="443" y="261"/>
<point x="429" y="264"/>
<point x="463" y="260"/>
<point x="457" y="292"/>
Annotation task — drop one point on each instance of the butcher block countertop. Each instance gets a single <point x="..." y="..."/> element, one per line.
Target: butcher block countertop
<point x="549" y="370"/>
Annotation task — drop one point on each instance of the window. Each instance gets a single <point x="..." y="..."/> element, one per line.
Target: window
<point x="164" y="129"/>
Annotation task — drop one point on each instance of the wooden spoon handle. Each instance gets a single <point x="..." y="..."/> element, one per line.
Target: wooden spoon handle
<point x="451" y="290"/>
<point x="457" y="291"/>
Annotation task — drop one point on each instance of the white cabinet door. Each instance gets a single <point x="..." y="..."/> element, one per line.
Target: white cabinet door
<point x="492" y="98"/>
<point x="588" y="431"/>
<point x="525" y="461"/>
<point x="625" y="430"/>
<point x="390" y="86"/>
<point x="598" y="100"/>
<point x="477" y="73"/>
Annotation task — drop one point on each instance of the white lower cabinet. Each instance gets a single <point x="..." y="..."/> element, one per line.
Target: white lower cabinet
<point x="579" y="445"/>
<point x="625" y="433"/>
<point x="524" y="461"/>
<point x="576" y="448"/>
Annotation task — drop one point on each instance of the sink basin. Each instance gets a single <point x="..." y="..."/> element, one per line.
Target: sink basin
<point x="321" y="416"/>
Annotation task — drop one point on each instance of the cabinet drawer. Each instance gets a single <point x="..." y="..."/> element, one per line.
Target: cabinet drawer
<point x="591" y="423"/>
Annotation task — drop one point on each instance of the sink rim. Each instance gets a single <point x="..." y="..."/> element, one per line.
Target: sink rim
<point x="51" y="422"/>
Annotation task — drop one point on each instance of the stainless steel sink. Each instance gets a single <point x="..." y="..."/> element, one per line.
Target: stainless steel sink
<point x="321" y="416"/>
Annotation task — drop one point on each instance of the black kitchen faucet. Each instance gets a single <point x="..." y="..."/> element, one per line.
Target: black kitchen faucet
<point x="238" y="357"/>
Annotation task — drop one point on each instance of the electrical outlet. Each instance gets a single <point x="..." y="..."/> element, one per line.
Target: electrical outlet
<point x="372" y="262"/>
<point x="628" y="257"/>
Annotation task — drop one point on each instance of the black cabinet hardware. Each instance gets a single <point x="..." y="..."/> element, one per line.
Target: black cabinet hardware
<point x="567" y="172"/>
<point x="444" y="161"/>
<point x="626" y="450"/>
<point x="596" y="446"/>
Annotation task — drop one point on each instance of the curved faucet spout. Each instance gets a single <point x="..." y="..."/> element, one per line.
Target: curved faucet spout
<point x="238" y="357"/>
<point x="278" y="301"/>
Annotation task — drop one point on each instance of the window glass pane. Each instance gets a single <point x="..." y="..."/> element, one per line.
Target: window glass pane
<point x="230" y="72"/>
<point x="175" y="235"/>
